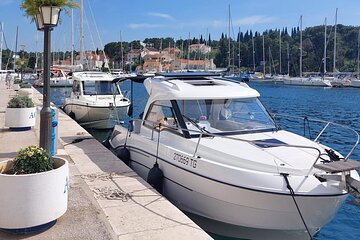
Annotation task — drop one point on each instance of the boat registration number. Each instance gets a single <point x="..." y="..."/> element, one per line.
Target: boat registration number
<point x="188" y="161"/>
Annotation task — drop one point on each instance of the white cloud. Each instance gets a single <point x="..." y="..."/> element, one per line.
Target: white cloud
<point x="247" y="21"/>
<point x="161" y="15"/>
<point x="6" y="2"/>
<point x="253" y="20"/>
<point x="143" y="25"/>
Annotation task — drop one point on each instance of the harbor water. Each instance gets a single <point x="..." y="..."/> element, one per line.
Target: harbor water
<point x="339" y="105"/>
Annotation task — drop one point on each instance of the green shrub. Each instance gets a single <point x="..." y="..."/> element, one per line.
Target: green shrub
<point x="32" y="159"/>
<point x="20" y="102"/>
<point x="17" y="80"/>
<point x="25" y="85"/>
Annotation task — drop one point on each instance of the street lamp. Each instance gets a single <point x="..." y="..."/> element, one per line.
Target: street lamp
<point x="46" y="20"/>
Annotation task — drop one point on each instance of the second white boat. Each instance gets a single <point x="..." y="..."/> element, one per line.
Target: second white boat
<point x="96" y="100"/>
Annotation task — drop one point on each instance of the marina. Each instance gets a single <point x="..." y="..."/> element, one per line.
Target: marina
<point x="305" y="100"/>
<point x="98" y="183"/>
<point x="158" y="121"/>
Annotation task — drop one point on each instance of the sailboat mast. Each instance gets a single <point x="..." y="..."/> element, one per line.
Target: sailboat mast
<point x="1" y="42"/>
<point x="270" y="61"/>
<point x="188" y="53"/>
<point x="36" y="53"/>
<point x="334" y="63"/>
<point x="325" y="48"/>
<point x="229" y="58"/>
<point x="122" y="53"/>
<point x="301" y="46"/>
<point x="81" y="31"/>
<point x="358" y="56"/>
<point x="263" y="43"/>
<point x="288" y="59"/>
<point x="239" y="50"/>
<point x="280" y="68"/>
<point x="253" y="52"/>
<point x="72" y="37"/>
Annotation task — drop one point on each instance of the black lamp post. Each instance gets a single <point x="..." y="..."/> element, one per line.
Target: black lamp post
<point x="46" y="20"/>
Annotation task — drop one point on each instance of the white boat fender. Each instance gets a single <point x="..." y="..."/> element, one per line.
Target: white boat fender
<point x="156" y="177"/>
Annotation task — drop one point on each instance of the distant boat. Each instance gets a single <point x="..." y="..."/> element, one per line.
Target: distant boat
<point x="307" y="81"/>
<point x="58" y="78"/>
<point x="96" y="100"/>
<point x="355" y="83"/>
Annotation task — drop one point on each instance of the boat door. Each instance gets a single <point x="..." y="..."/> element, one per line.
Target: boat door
<point x="76" y="89"/>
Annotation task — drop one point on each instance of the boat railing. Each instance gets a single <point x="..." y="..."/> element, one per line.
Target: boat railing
<point x="326" y="124"/>
<point x="158" y="127"/>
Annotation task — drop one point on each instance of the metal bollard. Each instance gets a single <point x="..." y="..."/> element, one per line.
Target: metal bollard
<point x="54" y="124"/>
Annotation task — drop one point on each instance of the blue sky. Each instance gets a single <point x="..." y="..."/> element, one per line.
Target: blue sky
<point x="142" y="19"/>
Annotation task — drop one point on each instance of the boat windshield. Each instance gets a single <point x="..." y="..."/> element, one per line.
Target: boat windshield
<point x="226" y="115"/>
<point x="101" y="88"/>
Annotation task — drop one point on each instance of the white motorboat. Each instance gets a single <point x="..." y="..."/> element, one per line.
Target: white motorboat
<point x="224" y="160"/>
<point x="58" y="78"/>
<point x="307" y="81"/>
<point x="355" y="83"/>
<point x="96" y="100"/>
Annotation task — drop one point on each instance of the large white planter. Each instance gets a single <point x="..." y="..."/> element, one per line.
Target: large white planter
<point x="26" y="92"/>
<point x="16" y="86"/>
<point x="33" y="199"/>
<point x="20" y="117"/>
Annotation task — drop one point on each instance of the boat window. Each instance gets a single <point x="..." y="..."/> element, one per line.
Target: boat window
<point x="76" y="87"/>
<point x="225" y="116"/>
<point x="161" y="112"/>
<point x="101" y="88"/>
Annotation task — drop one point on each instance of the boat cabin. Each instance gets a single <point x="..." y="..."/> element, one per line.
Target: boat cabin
<point x="204" y="106"/>
<point x="94" y="83"/>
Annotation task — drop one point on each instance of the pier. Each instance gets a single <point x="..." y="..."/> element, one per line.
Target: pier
<point x="107" y="200"/>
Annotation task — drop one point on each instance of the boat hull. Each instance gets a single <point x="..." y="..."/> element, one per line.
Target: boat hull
<point x="355" y="83"/>
<point x="307" y="82"/>
<point x="239" y="206"/>
<point x="99" y="117"/>
<point x="231" y="204"/>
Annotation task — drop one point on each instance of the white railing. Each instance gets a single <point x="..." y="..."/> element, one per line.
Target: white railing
<point x="324" y="129"/>
<point x="156" y="127"/>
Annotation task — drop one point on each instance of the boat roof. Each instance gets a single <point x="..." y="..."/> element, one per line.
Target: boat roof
<point x="92" y="76"/>
<point x="199" y="87"/>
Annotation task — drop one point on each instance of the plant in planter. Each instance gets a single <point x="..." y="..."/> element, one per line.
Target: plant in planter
<point x="17" y="82"/>
<point x="20" y="113"/>
<point x="31" y="160"/>
<point x="36" y="190"/>
<point x="25" y="90"/>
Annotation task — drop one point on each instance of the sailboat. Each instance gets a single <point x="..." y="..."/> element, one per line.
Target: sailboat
<point x="305" y="81"/>
<point x="336" y="80"/>
<point x="356" y="82"/>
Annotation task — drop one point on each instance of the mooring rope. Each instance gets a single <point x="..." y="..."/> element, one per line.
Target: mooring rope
<point x="292" y="193"/>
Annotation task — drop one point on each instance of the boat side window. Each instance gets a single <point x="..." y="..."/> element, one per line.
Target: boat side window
<point x="161" y="112"/>
<point x="76" y="87"/>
